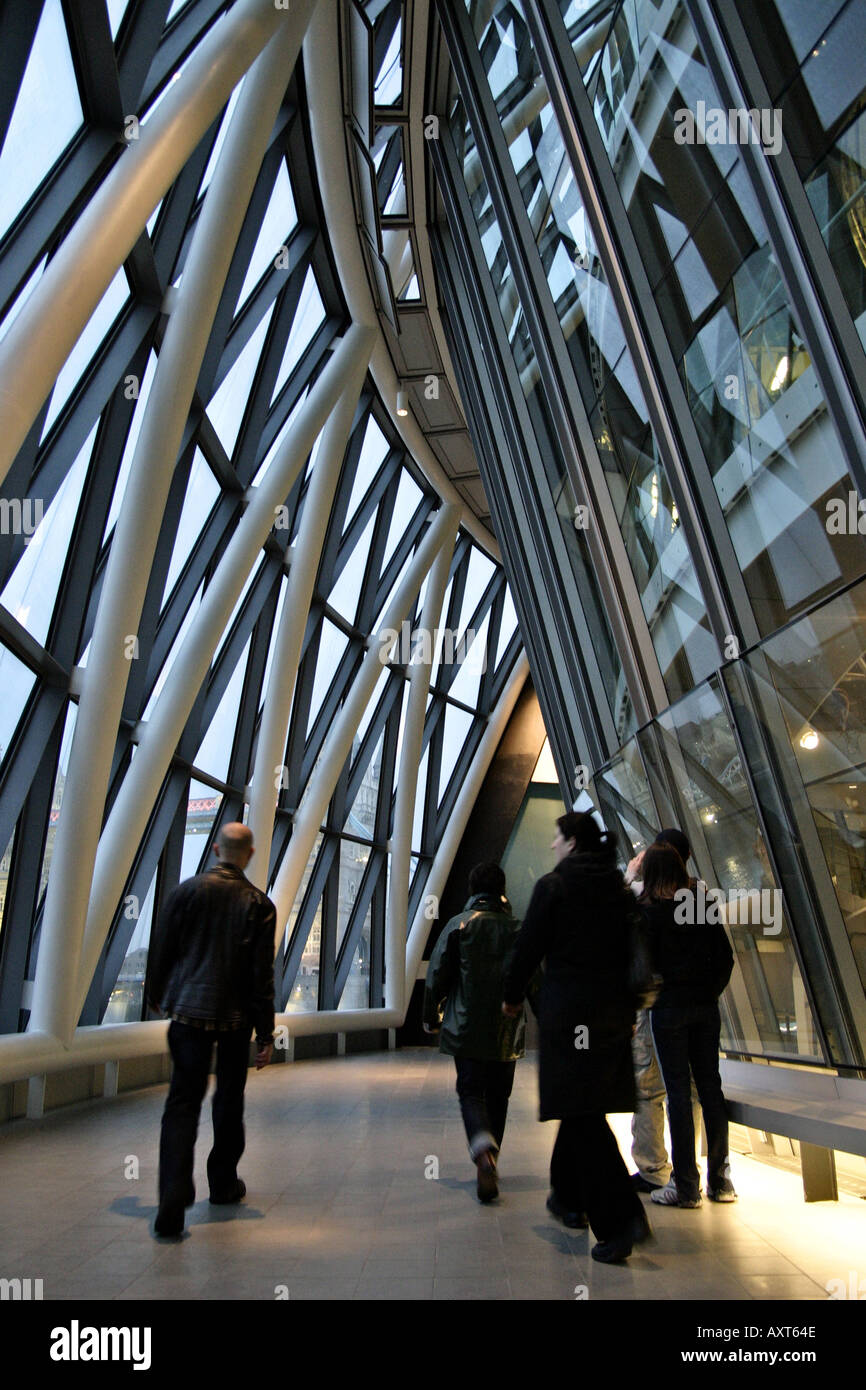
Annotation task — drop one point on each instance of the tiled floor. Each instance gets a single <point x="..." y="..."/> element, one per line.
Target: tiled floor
<point x="344" y="1202"/>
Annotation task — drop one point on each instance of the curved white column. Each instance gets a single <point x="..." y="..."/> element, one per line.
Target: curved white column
<point x="407" y="781"/>
<point x="138" y="527"/>
<point x="307" y="550"/>
<point x="72" y="284"/>
<point x="129" y="814"/>
<point x="338" y="744"/>
<point x="441" y="866"/>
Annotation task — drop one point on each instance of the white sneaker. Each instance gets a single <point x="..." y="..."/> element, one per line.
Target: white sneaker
<point x="669" y="1197"/>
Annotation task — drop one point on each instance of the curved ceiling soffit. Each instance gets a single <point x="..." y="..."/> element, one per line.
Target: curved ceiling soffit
<point x="327" y="129"/>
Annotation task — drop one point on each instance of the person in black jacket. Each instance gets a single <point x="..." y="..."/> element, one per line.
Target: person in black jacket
<point x="580" y="921"/>
<point x="465" y="978"/>
<point x="212" y="971"/>
<point x="695" y="961"/>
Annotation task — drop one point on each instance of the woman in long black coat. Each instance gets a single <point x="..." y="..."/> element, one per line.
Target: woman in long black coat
<point x="579" y="921"/>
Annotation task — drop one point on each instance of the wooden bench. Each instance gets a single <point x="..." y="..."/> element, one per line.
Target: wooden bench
<point x="822" y="1111"/>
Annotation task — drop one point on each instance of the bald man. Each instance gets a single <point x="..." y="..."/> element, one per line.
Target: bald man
<point x="211" y="970"/>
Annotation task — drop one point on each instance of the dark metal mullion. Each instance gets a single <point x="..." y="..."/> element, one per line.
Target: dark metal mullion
<point x="138" y="40"/>
<point x="344" y="545"/>
<point x="175" y="224"/>
<point x="252" y="693"/>
<point x="813" y="288"/>
<point x="95" y="66"/>
<point x="330" y="706"/>
<point x="18" y="25"/>
<point x="328" y="938"/>
<point x="497" y="608"/>
<point x="570" y="423"/>
<point x="168" y="875"/>
<point x="170" y="51"/>
<point x="332" y="561"/>
<point x="517" y="508"/>
<point x="367" y="610"/>
<point x="25" y="871"/>
<point x="355" y="924"/>
<point x="372" y="734"/>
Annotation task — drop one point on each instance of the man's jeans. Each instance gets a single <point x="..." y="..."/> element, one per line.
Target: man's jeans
<point x="191" y="1051"/>
<point x="484" y="1089"/>
<point x="687" y="1038"/>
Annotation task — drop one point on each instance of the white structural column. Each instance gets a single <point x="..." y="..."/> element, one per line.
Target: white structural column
<point x="447" y="848"/>
<point x="338" y="743"/>
<point x="129" y="815"/>
<point x="138" y="526"/>
<point x="74" y="281"/>
<point x="407" y="778"/>
<point x="307" y="550"/>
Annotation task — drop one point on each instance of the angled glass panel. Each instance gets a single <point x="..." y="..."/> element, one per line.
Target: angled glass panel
<point x="373" y="702"/>
<point x="308" y="318"/>
<point x="216" y="746"/>
<point x="57" y="797"/>
<point x="172" y="654"/>
<point x="818" y="669"/>
<point x="201" y="493"/>
<point x="277" y="225"/>
<point x="31" y="590"/>
<point x="100" y="322"/>
<point x="247" y="585"/>
<point x="332" y="649"/>
<point x="356" y="991"/>
<point x="420" y="798"/>
<point x="373" y="453"/>
<point x="126" y="1002"/>
<point x="457" y="725"/>
<point x="201" y="812"/>
<point x="765" y="1008"/>
<point x="471" y="652"/>
<point x="478" y="576"/>
<point x="353" y="862"/>
<point x="116" y="11"/>
<point x="34" y="141"/>
<point x="361" y="819"/>
<point x="346" y="592"/>
<point x="506" y="627"/>
<point x="143" y="392"/>
<point x="227" y="406"/>
<point x="303" y="994"/>
<point x="388" y="85"/>
<point x="279" y="439"/>
<point x="409" y="496"/>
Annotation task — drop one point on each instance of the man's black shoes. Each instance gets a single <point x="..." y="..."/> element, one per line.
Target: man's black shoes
<point x="486" y="1186"/>
<point x="640" y="1184"/>
<point x="574" y="1220"/>
<point x="230" y="1198"/>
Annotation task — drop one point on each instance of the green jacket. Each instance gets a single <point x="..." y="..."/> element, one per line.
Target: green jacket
<point x="466" y="970"/>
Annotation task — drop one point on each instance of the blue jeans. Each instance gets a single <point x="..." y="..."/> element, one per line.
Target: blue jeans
<point x="687" y="1039"/>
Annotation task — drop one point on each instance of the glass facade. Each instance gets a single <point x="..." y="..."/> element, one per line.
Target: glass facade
<point x="602" y="191"/>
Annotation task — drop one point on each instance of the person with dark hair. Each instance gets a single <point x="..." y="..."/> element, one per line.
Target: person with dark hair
<point x="648" y="1151"/>
<point x="695" y="961"/>
<point x="580" y="922"/>
<point x="464" y="979"/>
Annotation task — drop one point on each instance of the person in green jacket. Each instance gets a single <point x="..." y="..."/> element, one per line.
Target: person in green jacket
<point x="465" y="977"/>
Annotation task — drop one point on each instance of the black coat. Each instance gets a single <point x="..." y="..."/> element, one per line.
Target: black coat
<point x="695" y="961"/>
<point x="578" y="922"/>
<point x="213" y="956"/>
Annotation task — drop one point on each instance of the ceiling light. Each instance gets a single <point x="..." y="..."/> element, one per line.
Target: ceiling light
<point x="402" y="403"/>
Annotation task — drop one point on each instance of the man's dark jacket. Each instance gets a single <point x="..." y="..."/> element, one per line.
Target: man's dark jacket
<point x="466" y="970"/>
<point x="214" y="956"/>
<point x="579" y="922"/>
